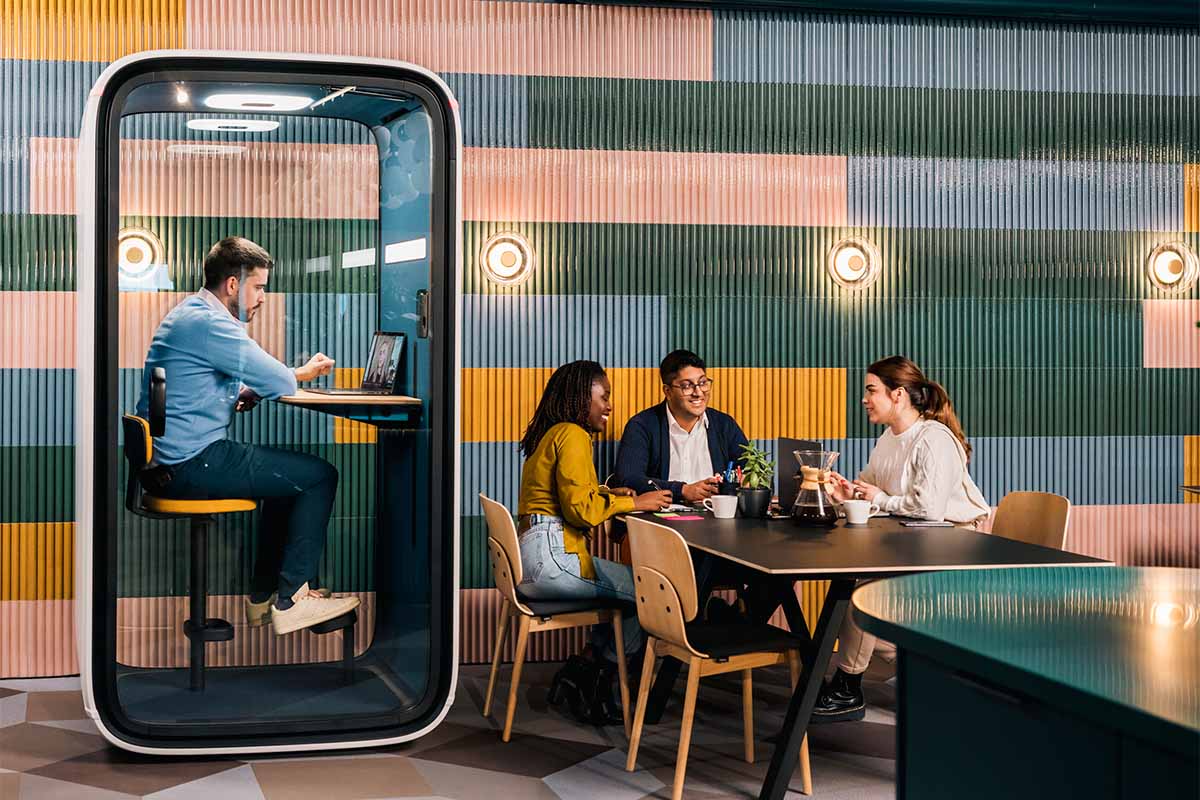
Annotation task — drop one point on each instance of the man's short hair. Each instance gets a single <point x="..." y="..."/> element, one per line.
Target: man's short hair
<point x="677" y="361"/>
<point x="233" y="257"/>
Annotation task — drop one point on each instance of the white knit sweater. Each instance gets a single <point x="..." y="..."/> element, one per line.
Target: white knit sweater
<point x="923" y="474"/>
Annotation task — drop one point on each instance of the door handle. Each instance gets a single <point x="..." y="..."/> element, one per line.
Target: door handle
<point x="423" y="313"/>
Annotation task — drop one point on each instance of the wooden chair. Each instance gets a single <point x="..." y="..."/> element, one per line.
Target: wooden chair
<point x="1033" y="518"/>
<point x="534" y="616"/>
<point x="667" y="606"/>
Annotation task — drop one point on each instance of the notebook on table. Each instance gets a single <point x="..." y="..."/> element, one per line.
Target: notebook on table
<point x="384" y="362"/>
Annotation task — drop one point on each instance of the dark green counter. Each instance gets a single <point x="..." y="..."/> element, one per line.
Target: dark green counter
<point x="1080" y="682"/>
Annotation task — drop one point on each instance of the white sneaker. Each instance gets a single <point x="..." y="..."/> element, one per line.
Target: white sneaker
<point x="307" y="611"/>
<point x="260" y="613"/>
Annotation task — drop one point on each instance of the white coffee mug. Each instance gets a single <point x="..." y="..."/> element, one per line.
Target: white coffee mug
<point x="859" y="511"/>
<point x="723" y="506"/>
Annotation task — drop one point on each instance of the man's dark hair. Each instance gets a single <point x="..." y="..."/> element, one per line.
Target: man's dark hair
<point x="566" y="398"/>
<point x="677" y="361"/>
<point x="233" y="257"/>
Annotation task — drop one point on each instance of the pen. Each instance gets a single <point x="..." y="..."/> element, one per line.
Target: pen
<point x="729" y="473"/>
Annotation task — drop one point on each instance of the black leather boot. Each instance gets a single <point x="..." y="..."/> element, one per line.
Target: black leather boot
<point x="840" y="700"/>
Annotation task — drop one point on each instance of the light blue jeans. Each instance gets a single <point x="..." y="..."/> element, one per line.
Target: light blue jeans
<point x="551" y="573"/>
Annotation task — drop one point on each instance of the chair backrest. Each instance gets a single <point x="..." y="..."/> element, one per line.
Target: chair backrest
<point x="139" y="449"/>
<point x="503" y="549"/>
<point x="663" y="580"/>
<point x="1034" y="518"/>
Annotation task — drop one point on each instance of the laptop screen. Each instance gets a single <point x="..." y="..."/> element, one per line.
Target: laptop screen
<point x="384" y="361"/>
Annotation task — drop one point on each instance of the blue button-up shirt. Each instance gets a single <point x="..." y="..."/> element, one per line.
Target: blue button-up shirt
<point x="208" y="357"/>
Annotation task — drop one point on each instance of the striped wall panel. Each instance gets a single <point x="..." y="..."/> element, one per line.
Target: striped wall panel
<point x="507" y="37"/>
<point x="1191" y="467"/>
<point x="88" y="31"/>
<point x="1170" y="335"/>
<point x="1146" y="536"/>
<point x="37" y="561"/>
<point x="38" y="637"/>
<point x="1191" y="197"/>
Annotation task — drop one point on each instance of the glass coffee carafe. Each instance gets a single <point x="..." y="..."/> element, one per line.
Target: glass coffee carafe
<point x="813" y="504"/>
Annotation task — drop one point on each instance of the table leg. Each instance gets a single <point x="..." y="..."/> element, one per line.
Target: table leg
<point x="664" y="682"/>
<point x="804" y="696"/>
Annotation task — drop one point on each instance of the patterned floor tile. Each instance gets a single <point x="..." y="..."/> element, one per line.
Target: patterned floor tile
<point x="345" y="779"/>
<point x="34" y="787"/>
<point x="54" y="706"/>
<point x="132" y="773"/>
<point x="80" y="725"/>
<point x="466" y="783"/>
<point x="69" y="684"/>
<point x="862" y="738"/>
<point x="25" y="747"/>
<point x="603" y="776"/>
<point x="531" y="756"/>
<point x="238" y="783"/>
<point x="12" y="709"/>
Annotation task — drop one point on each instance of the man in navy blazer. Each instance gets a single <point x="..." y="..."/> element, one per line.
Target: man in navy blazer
<point x="680" y="444"/>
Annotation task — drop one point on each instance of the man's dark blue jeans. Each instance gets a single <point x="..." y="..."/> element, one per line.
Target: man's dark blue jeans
<point x="296" y="491"/>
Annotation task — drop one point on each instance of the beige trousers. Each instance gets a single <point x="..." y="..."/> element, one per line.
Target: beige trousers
<point x="856" y="646"/>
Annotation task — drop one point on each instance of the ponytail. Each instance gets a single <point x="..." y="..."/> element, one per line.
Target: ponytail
<point x="928" y="397"/>
<point x="937" y="406"/>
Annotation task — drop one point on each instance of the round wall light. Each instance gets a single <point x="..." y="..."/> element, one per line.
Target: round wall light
<point x="138" y="251"/>
<point x="507" y="258"/>
<point x="1172" y="267"/>
<point x="854" y="263"/>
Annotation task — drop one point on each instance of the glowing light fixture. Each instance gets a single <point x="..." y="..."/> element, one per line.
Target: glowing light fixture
<point x="138" y="251"/>
<point x="206" y="149"/>
<point x="854" y="263"/>
<point x="254" y="101"/>
<point x="507" y="258"/>
<point x="181" y="94"/>
<point x="233" y="125"/>
<point x="1172" y="267"/>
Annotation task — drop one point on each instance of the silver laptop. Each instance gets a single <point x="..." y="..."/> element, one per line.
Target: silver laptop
<point x="382" y="375"/>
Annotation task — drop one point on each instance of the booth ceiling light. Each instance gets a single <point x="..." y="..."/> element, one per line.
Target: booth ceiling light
<point x="333" y="95"/>
<point x="854" y="263"/>
<point x="138" y="251"/>
<point x="1172" y="267"/>
<point x="254" y="101"/>
<point x="507" y="258"/>
<point x="206" y="149"/>
<point x="233" y="125"/>
<point x="181" y="94"/>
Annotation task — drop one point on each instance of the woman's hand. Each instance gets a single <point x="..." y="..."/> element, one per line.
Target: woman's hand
<point x="840" y="489"/>
<point x="866" y="491"/>
<point x="652" y="501"/>
<point x="621" y="491"/>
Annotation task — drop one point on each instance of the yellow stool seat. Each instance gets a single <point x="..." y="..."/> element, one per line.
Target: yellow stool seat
<point x="163" y="505"/>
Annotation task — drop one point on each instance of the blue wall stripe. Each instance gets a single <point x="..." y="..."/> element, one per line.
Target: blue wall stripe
<point x="39" y="408"/>
<point x="1014" y="194"/>
<point x="549" y="330"/>
<point x="494" y="108"/>
<point x="954" y="54"/>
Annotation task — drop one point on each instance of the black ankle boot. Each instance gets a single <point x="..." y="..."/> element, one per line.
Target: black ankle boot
<point x="841" y="699"/>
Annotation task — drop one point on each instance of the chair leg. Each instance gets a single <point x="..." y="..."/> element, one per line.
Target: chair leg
<point x="748" y="715"/>
<point x="197" y="597"/>
<point x="518" y="662"/>
<point x="622" y="669"/>
<point x="793" y="657"/>
<point x="501" y="635"/>
<point x="685" y="732"/>
<point x="639" y="716"/>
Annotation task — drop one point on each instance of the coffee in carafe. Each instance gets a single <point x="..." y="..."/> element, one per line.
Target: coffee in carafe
<point x="813" y="504"/>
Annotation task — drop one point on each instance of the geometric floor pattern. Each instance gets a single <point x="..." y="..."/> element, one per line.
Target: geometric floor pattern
<point x="50" y="751"/>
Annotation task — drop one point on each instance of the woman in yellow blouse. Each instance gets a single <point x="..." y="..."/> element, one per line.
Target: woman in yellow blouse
<point x="562" y="499"/>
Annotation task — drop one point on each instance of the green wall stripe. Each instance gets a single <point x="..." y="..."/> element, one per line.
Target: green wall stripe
<point x="476" y="570"/>
<point x="38" y="484"/>
<point x="728" y="117"/>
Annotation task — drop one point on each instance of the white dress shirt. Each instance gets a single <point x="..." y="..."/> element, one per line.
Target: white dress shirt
<point x="690" y="460"/>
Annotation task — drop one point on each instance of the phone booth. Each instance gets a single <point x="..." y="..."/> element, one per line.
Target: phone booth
<point x="346" y="170"/>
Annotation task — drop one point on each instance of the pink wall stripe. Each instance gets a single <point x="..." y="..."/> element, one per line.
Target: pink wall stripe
<point x="1170" y="337"/>
<point x="511" y="38"/>
<point x="150" y="634"/>
<point x="653" y="187"/>
<point x="52" y="315"/>
<point x="267" y="180"/>
<point x="1142" y="536"/>
<point x="37" y="638"/>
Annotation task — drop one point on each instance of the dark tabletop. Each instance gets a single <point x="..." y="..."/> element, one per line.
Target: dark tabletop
<point x="1120" y="645"/>
<point x="880" y="548"/>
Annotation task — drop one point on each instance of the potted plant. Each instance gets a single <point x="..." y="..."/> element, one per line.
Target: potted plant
<point x="754" y="493"/>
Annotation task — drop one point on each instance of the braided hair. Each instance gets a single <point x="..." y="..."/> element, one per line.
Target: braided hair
<point x="566" y="398"/>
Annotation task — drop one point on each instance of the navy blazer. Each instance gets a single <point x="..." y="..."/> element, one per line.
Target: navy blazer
<point x="645" y="452"/>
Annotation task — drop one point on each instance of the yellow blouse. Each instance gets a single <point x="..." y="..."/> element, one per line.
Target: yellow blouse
<point x="559" y="480"/>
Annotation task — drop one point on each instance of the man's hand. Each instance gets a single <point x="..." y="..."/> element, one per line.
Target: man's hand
<point x="318" y="365"/>
<point x="701" y="490"/>
<point x="247" y="400"/>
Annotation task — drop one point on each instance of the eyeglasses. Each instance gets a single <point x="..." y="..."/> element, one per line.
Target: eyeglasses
<point x="687" y="387"/>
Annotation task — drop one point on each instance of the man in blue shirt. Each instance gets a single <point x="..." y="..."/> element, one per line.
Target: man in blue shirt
<point x="213" y="369"/>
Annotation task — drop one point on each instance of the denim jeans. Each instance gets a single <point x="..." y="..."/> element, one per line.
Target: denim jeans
<point x="296" y="491"/>
<point x="551" y="573"/>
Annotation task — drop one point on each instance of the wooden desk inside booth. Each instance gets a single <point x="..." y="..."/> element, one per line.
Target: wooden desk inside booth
<point x="380" y="410"/>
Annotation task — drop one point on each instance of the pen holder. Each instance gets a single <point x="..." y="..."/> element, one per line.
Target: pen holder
<point x="728" y="487"/>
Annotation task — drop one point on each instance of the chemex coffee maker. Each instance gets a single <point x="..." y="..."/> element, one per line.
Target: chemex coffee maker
<point x="813" y="504"/>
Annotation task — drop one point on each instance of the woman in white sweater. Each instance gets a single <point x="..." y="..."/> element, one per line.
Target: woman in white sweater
<point x="917" y="469"/>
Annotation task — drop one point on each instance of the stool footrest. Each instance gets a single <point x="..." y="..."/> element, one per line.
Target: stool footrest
<point x="213" y="630"/>
<point x="346" y="620"/>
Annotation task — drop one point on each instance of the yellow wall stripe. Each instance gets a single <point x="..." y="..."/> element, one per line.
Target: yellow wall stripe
<point x="347" y="431"/>
<point x="37" y="561"/>
<point x="767" y="403"/>
<point x="90" y="30"/>
<point x="1191" y="197"/>
<point x="1191" y="466"/>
